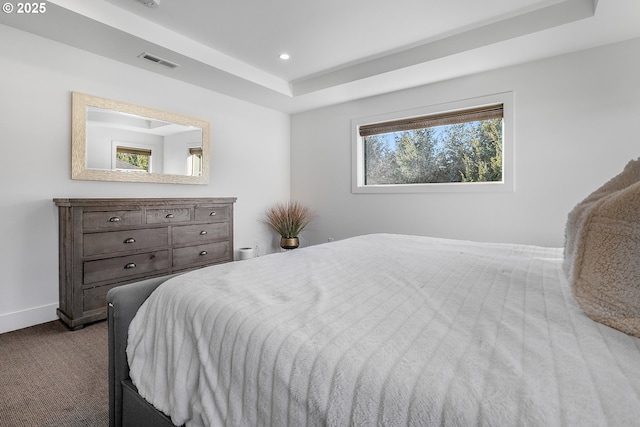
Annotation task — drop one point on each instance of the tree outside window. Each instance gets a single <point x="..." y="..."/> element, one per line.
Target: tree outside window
<point x="460" y="147"/>
<point x="133" y="159"/>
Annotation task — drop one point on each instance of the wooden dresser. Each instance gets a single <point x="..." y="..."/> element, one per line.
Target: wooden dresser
<point x="105" y="243"/>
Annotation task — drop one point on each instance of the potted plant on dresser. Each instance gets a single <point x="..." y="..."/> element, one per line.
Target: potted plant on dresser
<point x="288" y="220"/>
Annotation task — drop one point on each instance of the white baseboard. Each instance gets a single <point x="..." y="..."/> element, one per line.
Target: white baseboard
<point x="25" y="318"/>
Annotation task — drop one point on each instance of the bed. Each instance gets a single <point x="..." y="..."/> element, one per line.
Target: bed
<point x="391" y="330"/>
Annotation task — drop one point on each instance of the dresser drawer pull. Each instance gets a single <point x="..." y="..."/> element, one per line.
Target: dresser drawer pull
<point x="170" y="216"/>
<point x="203" y="232"/>
<point x="130" y="240"/>
<point x="114" y="219"/>
<point x="130" y="265"/>
<point x="213" y="213"/>
<point x="203" y="253"/>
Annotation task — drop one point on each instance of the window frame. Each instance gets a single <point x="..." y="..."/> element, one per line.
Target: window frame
<point x="192" y="152"/>
<point x="506" y="185"/>
<point x="133" y="146"/>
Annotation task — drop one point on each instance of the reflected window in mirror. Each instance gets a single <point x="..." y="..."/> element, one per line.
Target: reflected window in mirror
<point x="194" y="161"/>
<point x="129" y="159"/>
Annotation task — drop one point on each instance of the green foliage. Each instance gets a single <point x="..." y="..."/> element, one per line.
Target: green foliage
<point x="136" y="160"/>
<point x="465" y="152"/>
<point x="380" y="167"/>
<point x="483" y="163"/>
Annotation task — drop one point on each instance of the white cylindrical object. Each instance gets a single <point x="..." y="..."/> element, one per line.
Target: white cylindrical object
<point x="245" y="253"/>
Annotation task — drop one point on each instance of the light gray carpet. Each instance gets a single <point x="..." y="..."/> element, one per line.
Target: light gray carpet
<point x="50" y="376"/>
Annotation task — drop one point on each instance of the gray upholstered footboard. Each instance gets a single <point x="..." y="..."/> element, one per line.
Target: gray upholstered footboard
<point x="126" y="407"/>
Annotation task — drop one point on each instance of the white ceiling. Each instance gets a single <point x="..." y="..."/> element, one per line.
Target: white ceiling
<point x="340" y="49"/>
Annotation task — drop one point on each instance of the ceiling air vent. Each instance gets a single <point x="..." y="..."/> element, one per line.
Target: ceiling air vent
<point x="158" y="60"/>
<point x="150" y="3"/>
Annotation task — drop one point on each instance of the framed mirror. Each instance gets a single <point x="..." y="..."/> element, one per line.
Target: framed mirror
<point x="117" y="141"/>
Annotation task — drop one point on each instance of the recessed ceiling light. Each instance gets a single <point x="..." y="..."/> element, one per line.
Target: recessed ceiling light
<point x="284" y="56"/>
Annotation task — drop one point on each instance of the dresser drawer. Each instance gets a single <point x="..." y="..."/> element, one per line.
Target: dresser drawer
<point x="121" y="241"/>
<point x="168" y="215"/>
<point x="201" y="254"/>
<point x="125" y="266"/>
<point x="213" y="213"/>
<point x="110" y="219"/>
<point x="94" y="298"/>
<point x="200" y="233"/>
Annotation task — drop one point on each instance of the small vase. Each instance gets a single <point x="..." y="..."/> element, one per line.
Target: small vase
<point x="289" y="242"/>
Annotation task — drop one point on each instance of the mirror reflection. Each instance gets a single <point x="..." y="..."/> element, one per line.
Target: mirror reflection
<point x="131" y="143"/>
<point x="116" y="141"/>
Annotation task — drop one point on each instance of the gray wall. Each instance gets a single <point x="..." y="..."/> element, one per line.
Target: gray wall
<point x="575" y="118"/>
<point x="249" y="146"/>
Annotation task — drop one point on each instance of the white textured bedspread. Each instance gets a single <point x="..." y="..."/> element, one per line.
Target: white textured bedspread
<point x="383" y="330"/>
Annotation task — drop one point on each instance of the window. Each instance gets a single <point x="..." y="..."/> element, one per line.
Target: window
<point x="133" y="159"/>
<point x="464" y="146"/>
<point x="194" y="162"/>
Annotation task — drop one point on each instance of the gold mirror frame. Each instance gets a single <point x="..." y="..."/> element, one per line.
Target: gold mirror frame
<point x="79" y="169"/>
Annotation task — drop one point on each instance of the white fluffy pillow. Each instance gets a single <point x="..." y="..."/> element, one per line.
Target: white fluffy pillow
<point x="602" y="252"/>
